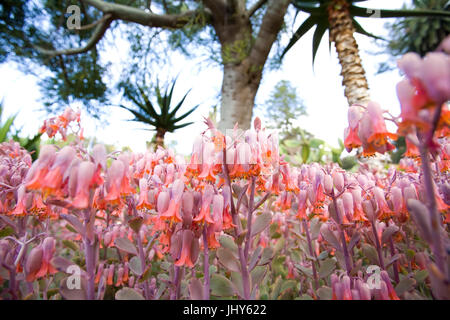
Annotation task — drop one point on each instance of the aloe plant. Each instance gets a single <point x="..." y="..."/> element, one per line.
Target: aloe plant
<point x="166" y="120"/>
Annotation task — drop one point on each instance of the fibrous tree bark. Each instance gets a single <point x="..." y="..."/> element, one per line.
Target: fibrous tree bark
<point x="341" y="34"/>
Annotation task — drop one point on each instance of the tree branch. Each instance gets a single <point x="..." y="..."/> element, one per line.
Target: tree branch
<point x="236" y="5"/>
<point x="251" y="11"/>
<point x="218" y="8"/>
<point x="93" y="24"/>
<point x="270" y="27"/>
<point x="96" y="37"/>
<point x="130" y="14"/>
<point x="215" y="5"/>
<point x="64" y="70"/>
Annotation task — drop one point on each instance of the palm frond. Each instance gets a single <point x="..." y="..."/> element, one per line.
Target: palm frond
<point x="399" y="13"/>
<point x="360" y="29"/>
<point x="321" y="28"/>
<point x="178" y="106"/>
<point x="148" y="105"/>
<point x="185" y="115"/>
<point x="304" y="28"/>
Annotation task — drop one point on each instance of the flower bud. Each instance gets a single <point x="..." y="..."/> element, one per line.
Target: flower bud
<point x="151" y="254"/>
<point x="131" y="282"/>
<point x="369" y="210"/>
<point x="364" y="291"/>
<point x="218" y="203"/>
<point x="420" y="215"/>
<point x="397" y="199"/>
<point x="187" y="208"/>
<point x="328" y="183"/>
<point x="338" y="181"/>
<point x="34" y="262"/>
<point x="119" y="277"/>
<point x="163" y="202"/>
<point x="421" y="260"/>
<point x="107" y="238"/>
<point x="347" y="200"/>
<point x="410" y="64"/>
<point x="99" y="155"/>
<point x="436" y="76"/>
<point x="409" y="193"/>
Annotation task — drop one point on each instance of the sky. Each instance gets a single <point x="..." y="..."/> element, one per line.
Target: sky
<point x="319" y="87"/>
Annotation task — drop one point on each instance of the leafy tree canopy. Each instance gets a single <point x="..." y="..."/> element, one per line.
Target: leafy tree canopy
<point x="32" y="33"/>
<point x="284" y="107"/>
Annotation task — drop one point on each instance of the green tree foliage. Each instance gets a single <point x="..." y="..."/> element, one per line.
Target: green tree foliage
<point x="297" y="145"/>
<point x="419" y="34"/>
<point x="71" y="64"/>
<point x="27" y="26"/>
<point x="416" y="34"/>
<point x="284" y="107"/>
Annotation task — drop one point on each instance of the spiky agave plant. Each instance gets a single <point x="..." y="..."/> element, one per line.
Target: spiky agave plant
<point x="164" y="121"/>
<point x="338" y="17"/>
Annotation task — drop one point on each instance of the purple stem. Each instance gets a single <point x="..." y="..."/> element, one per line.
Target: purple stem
<point x="89" y="255"/>
<point x="12" y="281"/>
<point x="251" y="203"/>
<point x="378" y="245"/>
<point x="132" y="204"/>
<point x="142" y="258"/>
<point x="348" y="265"/>
<point x="206" y="286"/>
<point x="174" y="295"/>
<point x="395" y="264"/>
<point x="237" y="231"/>
<point x="245" y="274"/>
<point x="432" y="207"/>
<point x="311" y="252"/>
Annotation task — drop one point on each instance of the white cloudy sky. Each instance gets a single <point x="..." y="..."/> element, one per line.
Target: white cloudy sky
<point x="320" y="88"/>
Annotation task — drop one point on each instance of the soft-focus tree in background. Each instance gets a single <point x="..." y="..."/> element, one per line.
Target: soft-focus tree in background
<point x="416" y="34"/>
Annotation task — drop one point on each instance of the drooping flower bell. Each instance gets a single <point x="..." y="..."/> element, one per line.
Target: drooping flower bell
<point x="372" y="131"/>
<point x="39" y="263"/>
<point x="351" y="139"/>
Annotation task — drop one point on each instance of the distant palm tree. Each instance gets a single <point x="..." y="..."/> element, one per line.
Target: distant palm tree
<point x="164" y="121"/>
<point x="338" y="16"/>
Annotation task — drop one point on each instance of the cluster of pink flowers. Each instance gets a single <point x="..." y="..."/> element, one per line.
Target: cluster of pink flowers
<point x="147" y="222"/>
<point x="61" y="124"/>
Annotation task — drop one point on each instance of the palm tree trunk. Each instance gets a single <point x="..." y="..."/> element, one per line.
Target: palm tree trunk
<point x="341" y="33"/>
<point x="159" y="138"/>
